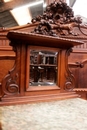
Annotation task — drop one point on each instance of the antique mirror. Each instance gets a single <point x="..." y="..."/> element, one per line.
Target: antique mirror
<point x="42" y="66"/>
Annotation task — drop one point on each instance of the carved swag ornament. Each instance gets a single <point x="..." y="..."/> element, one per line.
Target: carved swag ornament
<point x="58" y="19"/>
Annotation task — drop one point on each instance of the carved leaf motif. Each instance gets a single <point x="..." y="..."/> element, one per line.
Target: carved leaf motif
<point x="57" y="20"/>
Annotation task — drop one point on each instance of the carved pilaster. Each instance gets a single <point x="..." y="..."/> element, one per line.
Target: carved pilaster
<point x="70" y="80"/>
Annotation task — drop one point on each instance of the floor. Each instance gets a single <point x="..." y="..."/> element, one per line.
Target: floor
<point x="69" y="114"/>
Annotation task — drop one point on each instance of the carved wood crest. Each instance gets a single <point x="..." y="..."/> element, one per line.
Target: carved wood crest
<point x="57" y="20"/>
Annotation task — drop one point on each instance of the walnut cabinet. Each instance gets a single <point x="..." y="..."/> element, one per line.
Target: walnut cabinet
<point x="18" y="86"/>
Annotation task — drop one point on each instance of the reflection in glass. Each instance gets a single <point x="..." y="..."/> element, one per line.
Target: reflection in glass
<point x="43" y="68"/>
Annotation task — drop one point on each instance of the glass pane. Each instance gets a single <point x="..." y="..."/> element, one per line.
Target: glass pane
<point x="43" y="68"/>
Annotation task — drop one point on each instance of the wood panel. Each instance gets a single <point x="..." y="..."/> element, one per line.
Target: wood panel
<point x="79" y="69"/>
<point x="7" y="55"/>
<point x="5" y="66"/>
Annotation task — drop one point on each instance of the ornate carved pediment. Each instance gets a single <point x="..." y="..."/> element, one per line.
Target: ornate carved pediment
<point x="57" y="20"/>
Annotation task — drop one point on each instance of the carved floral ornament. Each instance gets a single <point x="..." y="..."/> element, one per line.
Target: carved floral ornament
<point x="58" y="19"/>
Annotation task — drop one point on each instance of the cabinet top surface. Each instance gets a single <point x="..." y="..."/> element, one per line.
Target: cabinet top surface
<point x="42" y="40"/>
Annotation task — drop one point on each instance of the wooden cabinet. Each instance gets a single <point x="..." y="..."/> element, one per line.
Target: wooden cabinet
<point x="62" y="34"/>
<point x="16" y="87"/>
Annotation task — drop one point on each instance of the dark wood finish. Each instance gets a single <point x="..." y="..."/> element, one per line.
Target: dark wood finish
<point x="16" y="84"/>
<point x="44" y="43"/>
<point x="71" y="30"/>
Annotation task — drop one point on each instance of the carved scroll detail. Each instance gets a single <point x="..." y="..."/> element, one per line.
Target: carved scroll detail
<point x="10" y="84"/>
<point x="70" y="80"/>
